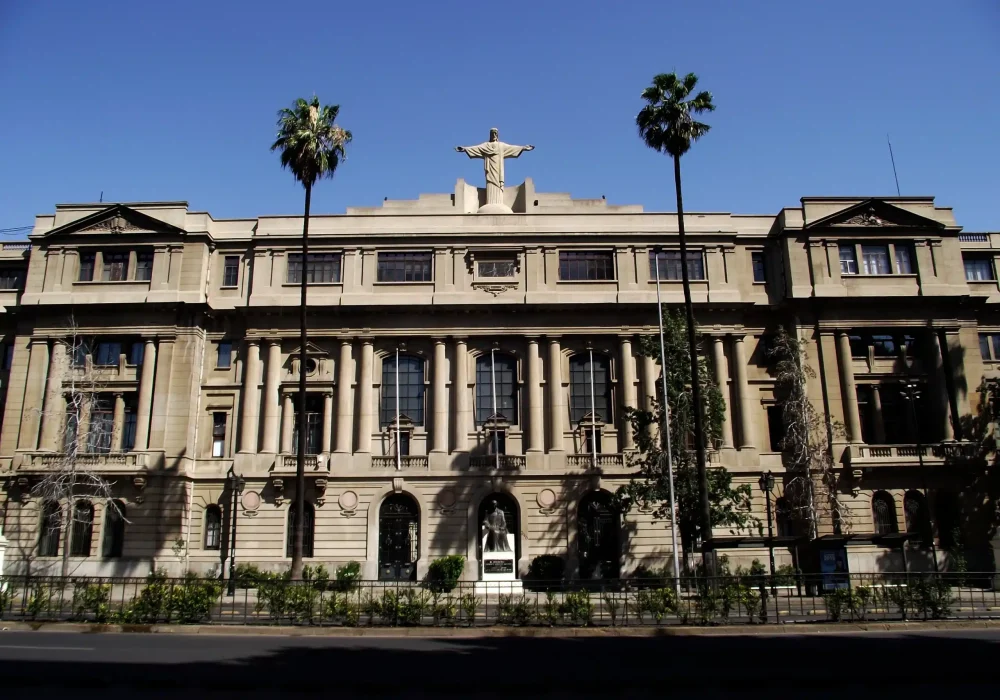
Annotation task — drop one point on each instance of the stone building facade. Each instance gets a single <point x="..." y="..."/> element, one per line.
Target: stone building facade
<point x="512" y="333"/>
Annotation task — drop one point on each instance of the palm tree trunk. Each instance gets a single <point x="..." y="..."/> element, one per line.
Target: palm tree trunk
<point x="300" y="462"/>
<point x="699" y="421"/>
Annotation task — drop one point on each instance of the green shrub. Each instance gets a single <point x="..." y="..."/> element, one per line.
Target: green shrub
<point x="546" y="571"/>
<point x="932" y="597"/>
<point x="39" y="600"/>
<point x="470" y="607"/>
<point x="784" y="575"/>
<point x="250" y="576"/>
<point x="348" y="576"/>
<point x="443" y="573"/>
<point x="443" y="611"/>
<point x="153" y="602"/>
<point x="549" y="614"/>
<point x="301" y="601"/>
<point x="612" y="603"/>
<point x="656" y="603"/>
<point x="838" y="602"/>
<point x="317" y="576"/>
<point x="6" y="596"/>
<point x="272" y="594"/>
<point x="413" y="604"/>
<point x="577" y="607"/>
<point x="193" y="600"/>
<point x="92" y="599"/>
<point x="513" y="610"/>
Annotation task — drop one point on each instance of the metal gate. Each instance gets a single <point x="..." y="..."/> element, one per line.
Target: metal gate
<point x="599" y="532"/>
<point x="399" y="539"/>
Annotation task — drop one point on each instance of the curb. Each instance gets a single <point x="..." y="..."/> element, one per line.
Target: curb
<point x="499" y="632"/>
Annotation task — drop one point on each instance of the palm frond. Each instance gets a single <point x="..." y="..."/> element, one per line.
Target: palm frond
<point x="312" y="145"/>
<point x="665" y="123"/>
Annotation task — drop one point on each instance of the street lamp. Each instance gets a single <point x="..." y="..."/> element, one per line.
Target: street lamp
<point x="766" y="483"/>
<point x="236" y="483"/>
<point x="911" y="392"/>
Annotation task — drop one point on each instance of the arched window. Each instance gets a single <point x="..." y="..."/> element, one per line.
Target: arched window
<point x="308" y="528"/>
<point x="504" y="376"/>
<point x="398" y="538"/>
<point x="918" y="518"/>
<point x="51" y="525"/>
<point x="884" y="514"/>
<point x="83" y="529"/>
<point x="114" y="529"/>
<point x="783" y="518"/>
<point x="213" y="527"/>
<point x="411" y="389"/>
<point x="580" y="387"/>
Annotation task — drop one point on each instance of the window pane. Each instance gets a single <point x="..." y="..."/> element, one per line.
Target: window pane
<point x="848" y="262"/>
<point x="294" y="274"/>
<point x="668" y="264"/>
<point x="904" y="264"/>
<point x="115" y="267"/>
<point x="996" y="345"/>
<point x="580" y="388"/>
<point x="411" y="389"/>
<point x="978" y="268"/>
<point x="108" y="353"/>
<point x="137" y="352"/>
<point x="83" y="530"/>
<point x="504" y="376"/>
<point x="885" y="345"/>
<point x="586" y="265"/>
<point x="213" y="527"/>
<point x="984" y="346"/>
<point x="884" y="514"/>
<point x="114" y="529"/>
<point x="48" y="541"/>
<point x="99" y="434"/>
<point x="496" y="268"/>
<point x="404" y="267"/>
<point x="86" y="267"/>
<point x="859" y="345"/>
<point x="225" y="355"/>
<point x="759" y="272"/>
<point x="775" y="427"/>
<point x="308" y="527"/>
<point x="144" y="266"/>
<point x="128" y="429"/>
<point x="11" y="278"/>
<point x="876" y="259"/>
<point x="231" y="271"/>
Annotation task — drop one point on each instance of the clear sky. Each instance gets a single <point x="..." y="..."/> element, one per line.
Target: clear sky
<point x="177" y="100"/>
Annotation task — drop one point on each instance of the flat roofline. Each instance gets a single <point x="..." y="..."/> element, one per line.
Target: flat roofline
<point x="177" y="203"/>
<point x="889" y="198"/>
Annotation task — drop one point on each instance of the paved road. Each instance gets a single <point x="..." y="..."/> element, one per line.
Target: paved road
<point x="911" y="664"/>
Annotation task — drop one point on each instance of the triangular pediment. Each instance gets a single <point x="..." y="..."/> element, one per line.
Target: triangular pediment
<point x="116" y="219"/>
<point x="311" y="351"/>
<point x="875" y="214"/>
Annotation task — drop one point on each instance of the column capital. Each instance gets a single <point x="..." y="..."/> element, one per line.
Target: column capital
<point x="439" y="339"/>
<point x="271" y="342"/>
<point x="346" y="341"/>
<point x="253" y="341"/>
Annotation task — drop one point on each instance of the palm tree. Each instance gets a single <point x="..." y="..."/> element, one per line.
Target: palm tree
<point x="312" y="146"/>
<point x="667" y="124"/>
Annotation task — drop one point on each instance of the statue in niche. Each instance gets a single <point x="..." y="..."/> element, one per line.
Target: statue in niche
<point x="495" y="525"/>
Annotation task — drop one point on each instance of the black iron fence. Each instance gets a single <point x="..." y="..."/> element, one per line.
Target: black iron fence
<point x="750" y="599"/>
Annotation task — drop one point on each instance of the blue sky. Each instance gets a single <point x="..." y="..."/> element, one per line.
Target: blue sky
<point x="177" y="100"/>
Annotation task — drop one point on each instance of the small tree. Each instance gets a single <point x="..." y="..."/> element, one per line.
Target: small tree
<point x="812" y="483"/>
<point x="729" y="504"/>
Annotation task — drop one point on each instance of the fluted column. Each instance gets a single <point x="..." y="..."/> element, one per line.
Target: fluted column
<point x="743" y="392"/>
<point x="440" y="397"/>
<point x="722" y="380"/>
<point x="628" y="392"/>
<point x="327" y="422"/>
<point x="849" y="388"/>
<point x="649" y="392"/>
<point x="877" y="418"/>
<point x="536" y="403"/>
<point x="287" y="418"/>
<point x="557" y="402"/>
<point x="143" y="410"/>
<point x="251" y="398"/>
<point x="55" y="404"/>
<point x="118" y="423"/>
<point x="272" y="406"/>
<point x="461" y="396"/>
<point x="365" y="396"/>
<point x="345" y="405"/>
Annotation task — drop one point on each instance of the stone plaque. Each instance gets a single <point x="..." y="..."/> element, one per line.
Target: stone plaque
<point x="498" y="566"/>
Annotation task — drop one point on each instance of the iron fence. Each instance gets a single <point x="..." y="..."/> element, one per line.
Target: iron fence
<point x="749" y="599"/>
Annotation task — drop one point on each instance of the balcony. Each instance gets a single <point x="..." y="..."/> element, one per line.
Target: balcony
<point x="405" y="462"/>
<point x="506" y="462"/>
<point x="290" y="462"/>
<point x="605" y="460"/>
<point x="909" y="455"/>
<point x="115" y="463"/>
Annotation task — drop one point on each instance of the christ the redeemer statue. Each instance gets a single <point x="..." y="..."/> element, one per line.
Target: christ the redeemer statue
<point x="493" y="152"/>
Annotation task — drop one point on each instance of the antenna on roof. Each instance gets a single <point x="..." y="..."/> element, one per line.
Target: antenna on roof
<point x="102" y="196"/>
<point x="896" y="177"/>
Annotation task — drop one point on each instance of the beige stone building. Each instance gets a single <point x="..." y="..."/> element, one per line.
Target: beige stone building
<point x="511" y="333"/>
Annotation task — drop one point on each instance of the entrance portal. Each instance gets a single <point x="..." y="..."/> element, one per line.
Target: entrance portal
<point x="398" y="538"/>
<point x="599" y="536"/>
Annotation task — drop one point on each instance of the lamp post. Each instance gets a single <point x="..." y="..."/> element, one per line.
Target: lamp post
<point x="766" y="483"/>
<point x="911" y="392"/>
<point x="236" y="483"/>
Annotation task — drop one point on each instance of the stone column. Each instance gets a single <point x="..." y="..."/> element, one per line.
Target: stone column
<point x="287" y="419"/>
<point x="743" y="392"/>
<point x="649" y="383"/>
<point x="942" y="388"/>
<point x="879" y="419"/>
<point x="327" y="422"/>
<point x="365" y="396"/>
<point x="345" y="407"/>
<point x="722" y="380"/>
<point x="272" y="386"/>
<point x="118" y="424"/>
<point x="849" y="388"/>
<point x="461" y="389"/>
<point x="627" y="441"/>
<point x="557" y="402"/>
<point x="536" y="404"/>
<point x="34" y="389"/>
<point x="143" y="410"/>
<point x="440" y="397"/>
<point x="55" y="404"/>
<point x="251" y="398"/>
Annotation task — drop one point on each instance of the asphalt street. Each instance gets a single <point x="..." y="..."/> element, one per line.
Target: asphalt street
<point x="856" y="665"/>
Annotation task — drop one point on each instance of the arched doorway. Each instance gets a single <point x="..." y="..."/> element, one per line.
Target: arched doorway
<point x="398" y="538"/>
<point x="599" y="535"/>
<point x="511" y="514"/>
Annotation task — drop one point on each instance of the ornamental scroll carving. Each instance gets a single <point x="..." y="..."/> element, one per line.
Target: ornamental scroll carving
<point x="116" y="224"/>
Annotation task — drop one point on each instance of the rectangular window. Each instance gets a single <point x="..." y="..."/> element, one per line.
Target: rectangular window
<point x="136" y="353"/>
<point x="115" y="267"/>
<point x="904" y="259"/>
<point x="859" y="345"/>
<point x="502" y="269"/>
<point x="590" y="435"/>
<point x="668" y="264"/>
<point x="231" y="270"/>
<point x="314" y="422"/>
<point x="219" y="434"/>
<point x="885" y="346"/>
<point x="759" y="271"/>
<point x="108" y="353"/>
<point x="322" y="268"/>
<point x="984" y="346"/>
<point x="404" y="443"/>
<point x="11" y="278"/>
<point x="775" y="427"/>
<point x="995" y="337"/>
<point x="411" y="390"/>
<point x="497" y="444"/>
<point x="978" y="268"/>
<point x="224" y="358"/>
<point x="86" y="267"/>
<point x="8" y="356"/>
<point x="99" y="433"/>
<point x="876" y="259"/>
<point x="848" y="260"/>
<point x="405" y="267"/>
<point x="144" y="266"/>
<point x="501" y="371"/>
<point x="576" y="266"/>
<point x="128" y="430"/>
